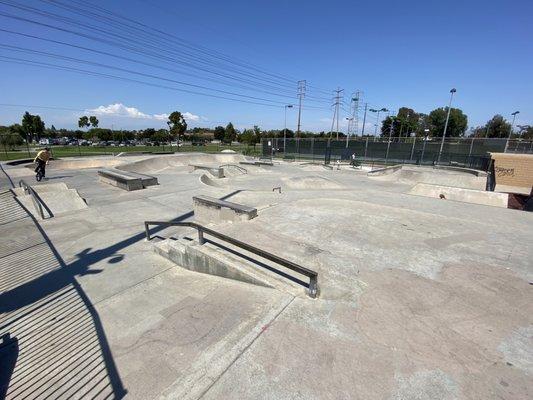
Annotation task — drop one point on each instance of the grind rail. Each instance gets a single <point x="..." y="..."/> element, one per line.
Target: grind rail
<point x="37" y="202"/>
<point x="312" y="275"/>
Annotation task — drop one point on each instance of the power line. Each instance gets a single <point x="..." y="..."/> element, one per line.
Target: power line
<point x="15" y="60"/>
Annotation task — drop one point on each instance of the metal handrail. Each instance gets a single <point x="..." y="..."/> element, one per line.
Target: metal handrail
<point x="37" y="202"/>
<point x="312" y="275"/>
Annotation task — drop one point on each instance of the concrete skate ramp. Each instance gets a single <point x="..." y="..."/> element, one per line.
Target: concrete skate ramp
<point x="415" y="175"/>
<point x="161" y="163"/>
<point x="57" y="201"/>
<point x="40" y="189"/>
<point x="81" y="163"/>
<point x="209" y="180"/>
<point x="311" y="182"/>
<point x="459" y="194"/>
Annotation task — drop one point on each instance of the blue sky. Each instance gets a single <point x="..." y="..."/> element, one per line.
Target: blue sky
<point x="397" y="53"/>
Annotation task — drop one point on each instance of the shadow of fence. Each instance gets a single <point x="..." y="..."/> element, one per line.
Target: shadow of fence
<point x="53" y="343"/>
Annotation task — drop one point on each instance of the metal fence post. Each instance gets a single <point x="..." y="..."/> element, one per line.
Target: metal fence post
<point x="470" y="151"/>
<point x="201" y="239"/>
<point x="423" y="150"/>
<point x="413" y="149"/>
<point x="366" y="147"/>
<point x="313" y="150"/>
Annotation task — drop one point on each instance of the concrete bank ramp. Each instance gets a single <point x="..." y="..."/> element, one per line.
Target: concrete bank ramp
<point x="81" y="163"/>
<point x="224" y="262"/>
<point x="58" y="199"/>
<point x="310" y="182"/>
<point x="159" y="164"/>
<point x="414" y="175"/>
<point x="460" y="194"/>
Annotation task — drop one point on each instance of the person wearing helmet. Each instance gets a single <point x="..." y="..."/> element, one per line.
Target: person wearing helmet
<point x="42" y="160"/>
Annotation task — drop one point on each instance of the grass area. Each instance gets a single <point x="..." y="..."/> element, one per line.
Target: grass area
<point x="77" y="151"/>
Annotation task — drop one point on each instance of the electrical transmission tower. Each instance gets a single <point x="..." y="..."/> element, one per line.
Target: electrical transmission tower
<point x="336" y="104"/>
<point x="301" y="95"/>
<point x="353" y="120"/>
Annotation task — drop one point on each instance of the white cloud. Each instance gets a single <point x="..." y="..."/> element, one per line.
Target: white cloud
<point x="120" y="110"/>
<point x="161" y="117"/>
<point x="191" y="117"/>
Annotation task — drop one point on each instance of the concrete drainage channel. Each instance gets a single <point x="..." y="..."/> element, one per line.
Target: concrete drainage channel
<point x="232" y="259"/>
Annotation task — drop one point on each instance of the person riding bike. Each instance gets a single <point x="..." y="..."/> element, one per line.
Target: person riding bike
<point x="42" y="160"/>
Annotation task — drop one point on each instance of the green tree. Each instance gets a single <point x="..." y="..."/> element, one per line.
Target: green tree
<point x="161" y="135"/>
<point x="83" y="122"/>
<point x="496" y="127"/>
<point x="219" y="133"/>
<point x="456" y="126"/>
<point x="525" y="131"/>
<point x="176" y="124"/>
<point x="230" y="134"/>
<point x="93" y="121"/>
<point x="147" y="134"/>
<point x="32" y="126"/>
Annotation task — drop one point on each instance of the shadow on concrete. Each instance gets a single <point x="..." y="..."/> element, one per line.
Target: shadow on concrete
<point x="57" y="327"/>
<point x="9" y="351"/>
<point x="55" y="343"/>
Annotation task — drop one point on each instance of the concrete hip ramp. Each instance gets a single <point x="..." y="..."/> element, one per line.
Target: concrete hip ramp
<point x="435" y="176"/>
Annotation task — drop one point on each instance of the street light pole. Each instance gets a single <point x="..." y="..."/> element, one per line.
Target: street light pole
<point x="390" y="138"/>
<point x="348" y="130"/>
<point x="446" y="124"/>
<point x="377" y="122"/>
<point x="285" y="129"/>
<point x="510" y="130"/>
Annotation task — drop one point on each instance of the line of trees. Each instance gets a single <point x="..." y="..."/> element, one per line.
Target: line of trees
<point x="407" y="122"/>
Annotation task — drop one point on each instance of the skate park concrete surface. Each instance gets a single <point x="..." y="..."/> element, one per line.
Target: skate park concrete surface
<point x="419" y="297"/>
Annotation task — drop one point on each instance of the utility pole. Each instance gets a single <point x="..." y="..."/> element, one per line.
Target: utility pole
<point x="364" y="121"/>
<point x="338" y="98"/>
<point x="354" y="114"/>
<point x="301" y="95"/>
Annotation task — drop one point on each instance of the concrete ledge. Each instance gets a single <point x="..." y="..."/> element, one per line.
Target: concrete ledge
<point x="216" y="171"/>
<point x="257" y="163"/>
<point x="210" y="209"/>
<point x="461" y="169"/>
<point x="459" y="194"/>
<point x="384" y="171"/>
<point x="126" y="180"/>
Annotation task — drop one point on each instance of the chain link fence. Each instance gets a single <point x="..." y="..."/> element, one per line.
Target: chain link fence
<point x="12" y="147"/>
<point x="465" y="152"/>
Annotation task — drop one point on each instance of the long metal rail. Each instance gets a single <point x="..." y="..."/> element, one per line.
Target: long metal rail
<point x="37" y="202"/>
<point x="312" y="275"/>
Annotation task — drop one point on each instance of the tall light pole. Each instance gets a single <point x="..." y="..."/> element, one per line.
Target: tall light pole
<point x="350" y="120"/>
<point x="285" y="129"/>
<point x="446" y="124"/>
<point x="510" y="130"/>
<point x="390" y="138"/>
